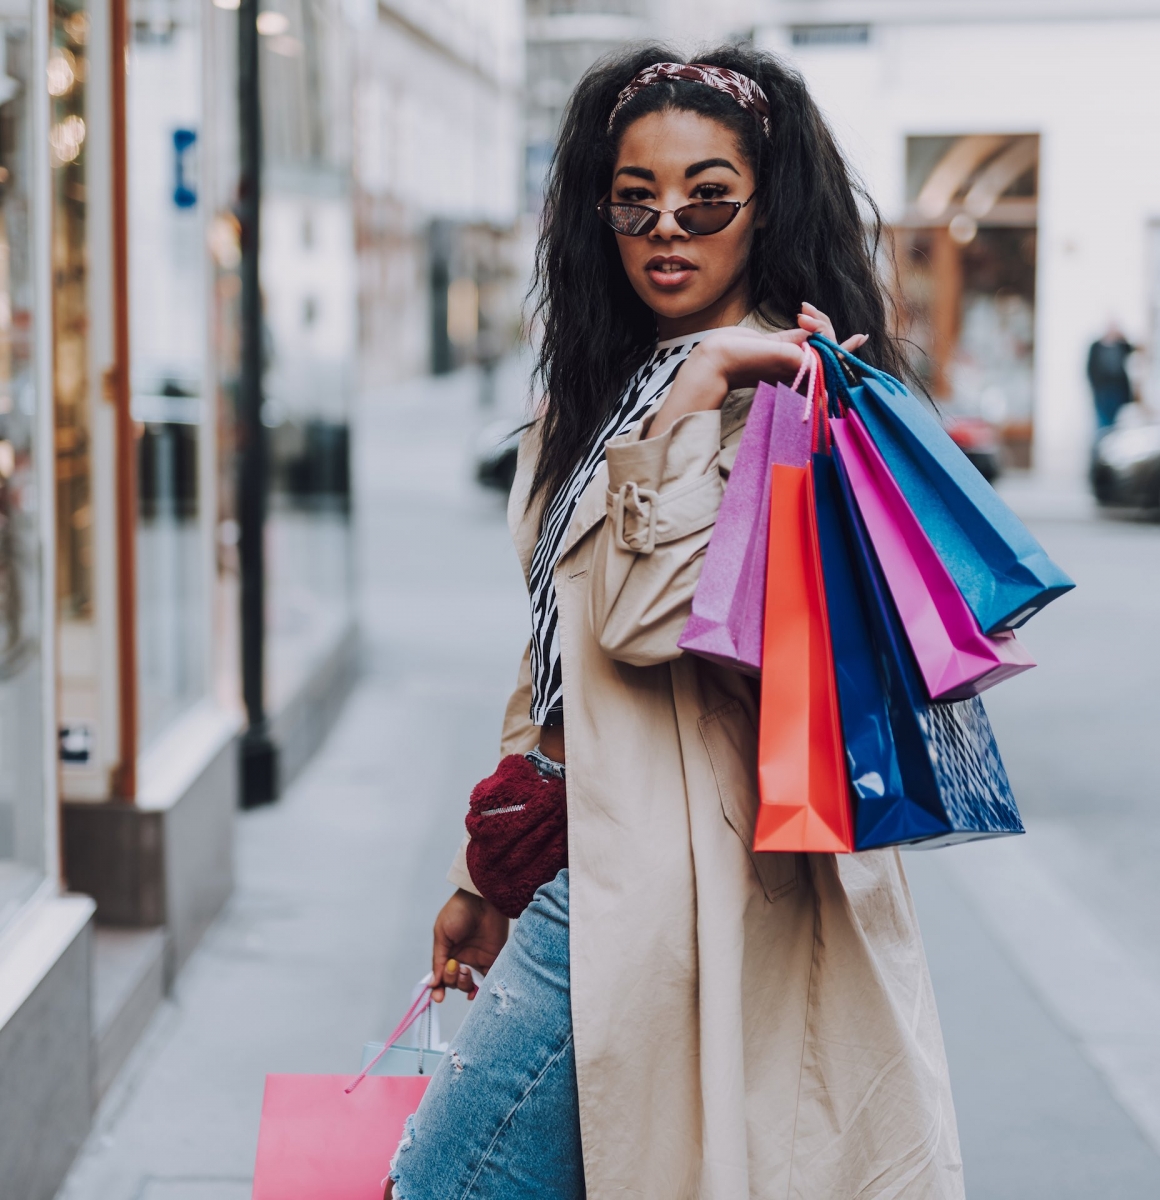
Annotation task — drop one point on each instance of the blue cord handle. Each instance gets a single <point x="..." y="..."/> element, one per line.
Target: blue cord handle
<point x="824" y="344"/>
<point x="835" y="382"/>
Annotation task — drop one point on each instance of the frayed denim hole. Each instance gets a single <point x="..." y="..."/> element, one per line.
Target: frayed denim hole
<point x="500" y="992"/>
<point x="456" y="1065"/>
<point x="405" y="1143"/>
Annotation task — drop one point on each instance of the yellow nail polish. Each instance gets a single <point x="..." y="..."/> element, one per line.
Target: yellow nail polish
<point x="452" y="966"/>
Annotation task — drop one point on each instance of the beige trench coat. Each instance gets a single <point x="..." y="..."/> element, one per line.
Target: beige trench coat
<point x="746" y="1025"/>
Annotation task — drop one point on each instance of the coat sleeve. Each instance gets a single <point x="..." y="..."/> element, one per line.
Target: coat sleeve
<point x="661" y="504"/>
<point x="519" y="735"/>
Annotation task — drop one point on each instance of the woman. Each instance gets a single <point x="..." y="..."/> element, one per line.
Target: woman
<point x="674" y="1015"/>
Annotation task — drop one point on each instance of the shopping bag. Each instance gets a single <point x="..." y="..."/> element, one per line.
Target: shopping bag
<point x="805" y="799"/>
<point x="1001" y="570"/>
<point x="727" y="574"/>
<point x="728" y="611"/>
<point x="328" y="1137"/>
<point x="922" y="774"/>
<point x="317" y="1142"/>
<point x="955" y="657"/>
<point x="429" y="1049"/>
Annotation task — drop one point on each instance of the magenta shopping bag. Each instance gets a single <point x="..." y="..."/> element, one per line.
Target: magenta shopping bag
<point x="324" y="1137"/>
<point x="727" y="621"/>
<point x="955" y="658"/>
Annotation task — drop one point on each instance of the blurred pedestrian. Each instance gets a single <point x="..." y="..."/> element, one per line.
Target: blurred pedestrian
<point x="1107" y="371"/>
<point x="673" y="1016"/>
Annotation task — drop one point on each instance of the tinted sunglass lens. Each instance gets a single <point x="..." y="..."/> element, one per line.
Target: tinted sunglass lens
<point x="630" y="220"/>
<point x="706" y="218"/>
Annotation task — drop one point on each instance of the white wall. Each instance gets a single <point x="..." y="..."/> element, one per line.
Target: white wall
<point x="1089" y="89"/>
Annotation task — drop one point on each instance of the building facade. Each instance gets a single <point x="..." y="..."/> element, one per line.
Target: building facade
<point x="1022" y="206"/>
<point x="120" y="696"/>
<point x="438" y="173"/>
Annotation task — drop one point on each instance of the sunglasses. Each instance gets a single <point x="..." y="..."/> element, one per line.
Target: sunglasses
<point x="704" y="217"/>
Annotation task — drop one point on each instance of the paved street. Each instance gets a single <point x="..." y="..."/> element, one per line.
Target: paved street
<point x="1045" y="949"/>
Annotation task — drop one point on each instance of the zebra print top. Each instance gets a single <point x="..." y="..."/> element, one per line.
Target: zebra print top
<point x="644" y="390"/>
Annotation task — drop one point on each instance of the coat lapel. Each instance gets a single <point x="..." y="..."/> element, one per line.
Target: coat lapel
<point x="589" y="511"/>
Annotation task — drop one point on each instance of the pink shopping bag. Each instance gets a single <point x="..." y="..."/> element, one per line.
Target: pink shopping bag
<point x="727" y="619"/>
<point x="324" y="1137"/>
<point x="955" y="658"/>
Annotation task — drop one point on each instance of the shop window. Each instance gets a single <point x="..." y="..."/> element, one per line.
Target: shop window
<point x="966" y="260"/>
<point x="22" y="782"/>
<point x="309" y="285"/>
<point x="168" y="337"/>
<point x="82" y="746"/>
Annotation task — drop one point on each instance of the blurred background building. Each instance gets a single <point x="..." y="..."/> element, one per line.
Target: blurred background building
<point x="391" y="153"/>
<point x="405" y="147"/>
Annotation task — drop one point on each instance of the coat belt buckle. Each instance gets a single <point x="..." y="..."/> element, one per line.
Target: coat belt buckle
<point x="643" y="502"/>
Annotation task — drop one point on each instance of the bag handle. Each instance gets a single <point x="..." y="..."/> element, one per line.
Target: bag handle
<point x="810" y="361"/>
<point x="822" y="440"/>
<point x="419" y="1006"/>
<point x="824" y="344"/>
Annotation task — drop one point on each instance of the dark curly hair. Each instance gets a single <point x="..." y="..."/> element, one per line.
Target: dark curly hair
<point x="818" y="242"/>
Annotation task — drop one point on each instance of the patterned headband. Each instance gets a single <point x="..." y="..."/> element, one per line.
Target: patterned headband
<point x="740" y="87"/>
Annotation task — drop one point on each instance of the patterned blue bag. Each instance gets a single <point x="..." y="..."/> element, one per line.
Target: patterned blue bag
<point x="1004" y="574"/>
<point x="922" y="774"/>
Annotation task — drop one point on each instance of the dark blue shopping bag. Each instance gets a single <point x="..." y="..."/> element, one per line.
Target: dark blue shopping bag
<point x="1004" y="574"/>
<point x="922" y="773"/>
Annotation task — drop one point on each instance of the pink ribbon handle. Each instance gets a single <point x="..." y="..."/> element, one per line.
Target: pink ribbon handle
<point x="809" y="363"/>
<point x="419" y="1006"/>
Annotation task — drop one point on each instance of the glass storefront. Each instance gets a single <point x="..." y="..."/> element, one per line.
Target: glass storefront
<point x="168" y="339"/>
<point x="221" y="191"/>
<point x="22" y="783"/>
<point x="309" y="287"/>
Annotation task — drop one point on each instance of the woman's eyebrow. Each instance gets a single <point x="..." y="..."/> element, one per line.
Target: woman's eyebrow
<point x="706" y="163"/>
<point x="638" y="172"/>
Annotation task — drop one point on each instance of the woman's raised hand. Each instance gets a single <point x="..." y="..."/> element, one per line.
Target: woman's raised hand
<point x="738" y="357"/>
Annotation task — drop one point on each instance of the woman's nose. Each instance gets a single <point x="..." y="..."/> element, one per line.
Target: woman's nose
<point x="667" y="229"/>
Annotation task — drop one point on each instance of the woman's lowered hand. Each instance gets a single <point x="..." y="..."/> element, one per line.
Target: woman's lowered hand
<point x="468" y="929"/>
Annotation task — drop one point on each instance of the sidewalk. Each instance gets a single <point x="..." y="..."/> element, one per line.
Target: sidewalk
<point x="339" y="882"/>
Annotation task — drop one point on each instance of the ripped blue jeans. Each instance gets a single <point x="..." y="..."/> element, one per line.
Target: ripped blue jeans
<point x="500" y="1119"/>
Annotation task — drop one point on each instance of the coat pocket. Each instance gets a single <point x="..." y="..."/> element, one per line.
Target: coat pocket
<point x="731" y="743"/>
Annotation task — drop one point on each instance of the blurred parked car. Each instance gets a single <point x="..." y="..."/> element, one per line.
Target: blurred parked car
<point x="495" y="454"/>
<point x="977" y="439"/>
<point x="1126" y="467"/>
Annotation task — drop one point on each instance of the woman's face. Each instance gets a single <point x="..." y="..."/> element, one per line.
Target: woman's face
<point x="666" y="160"/>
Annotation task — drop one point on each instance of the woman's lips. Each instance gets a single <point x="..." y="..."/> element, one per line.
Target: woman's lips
<point x="669" y="272"/>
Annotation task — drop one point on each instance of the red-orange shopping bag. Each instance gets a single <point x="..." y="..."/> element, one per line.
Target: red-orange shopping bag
<point x="324" y="1137"/>
<point x="805" y="799"/>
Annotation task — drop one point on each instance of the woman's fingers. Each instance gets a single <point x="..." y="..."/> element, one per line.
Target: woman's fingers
<point x="465" y="982"/>
<point x="816" y="321"/>
<point x="443" y="968"/>
<point x="813" y="319"/>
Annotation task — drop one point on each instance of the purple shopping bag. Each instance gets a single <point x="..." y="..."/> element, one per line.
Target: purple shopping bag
<point x="955" y="658"/>
<point x="726" y="624"/>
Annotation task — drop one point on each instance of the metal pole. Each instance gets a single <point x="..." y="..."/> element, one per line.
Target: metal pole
<point x="119" y="390"/>
<point x="259" y="775"/>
